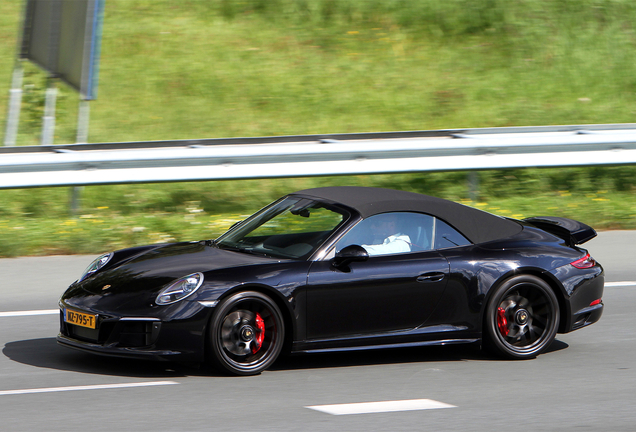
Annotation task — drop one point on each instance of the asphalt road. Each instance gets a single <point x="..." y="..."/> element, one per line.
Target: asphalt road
<point x="585" y="382"/>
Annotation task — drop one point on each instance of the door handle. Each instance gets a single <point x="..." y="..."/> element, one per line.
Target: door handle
<point x="431" y="277"/>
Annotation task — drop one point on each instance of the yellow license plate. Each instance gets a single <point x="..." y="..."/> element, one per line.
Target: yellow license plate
<point x="81" y="319"/>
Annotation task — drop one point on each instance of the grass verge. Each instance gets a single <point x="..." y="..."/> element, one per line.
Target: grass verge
<point x="226" y="68"/>
<point x="100" y="229"/>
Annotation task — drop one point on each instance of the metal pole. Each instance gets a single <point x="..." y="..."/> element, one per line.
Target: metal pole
<point x="83" y="116"/>
<point x="82" y="138"/>
<point x="15" y="102"/>
<point x="15" y="94"/>
<point x="48" y="121"/>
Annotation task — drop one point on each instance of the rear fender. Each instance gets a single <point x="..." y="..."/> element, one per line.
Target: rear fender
<point x="554" y="283"/>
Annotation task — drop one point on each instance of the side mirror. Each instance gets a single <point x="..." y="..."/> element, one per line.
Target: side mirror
<point x="352" y="253"/>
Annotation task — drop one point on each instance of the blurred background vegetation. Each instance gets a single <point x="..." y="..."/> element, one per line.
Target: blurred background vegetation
<point x="227" y="68"/>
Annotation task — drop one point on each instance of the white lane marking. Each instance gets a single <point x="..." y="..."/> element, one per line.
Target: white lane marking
<point x="620" y="284"/>
<point x="379" y="407"/>
<point x="90" y="387"/>
<point x="30" y="313"/>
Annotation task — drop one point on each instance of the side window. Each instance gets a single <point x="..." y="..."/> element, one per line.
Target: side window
<point x="447" y="236"/>
<point x="391" y="233"/>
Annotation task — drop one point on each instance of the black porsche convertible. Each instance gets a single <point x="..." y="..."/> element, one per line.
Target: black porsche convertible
<point x="340" y="268"/>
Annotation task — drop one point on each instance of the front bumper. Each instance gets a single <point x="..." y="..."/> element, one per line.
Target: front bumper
<point x="138" y="337"/>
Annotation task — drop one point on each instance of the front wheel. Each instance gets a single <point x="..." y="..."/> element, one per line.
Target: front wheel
<point x="522" y="318"/>
<point x="246" y="333"/>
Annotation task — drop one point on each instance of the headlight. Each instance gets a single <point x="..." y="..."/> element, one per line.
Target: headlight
<point x="180" y="289"/>
<point x="99" y="262"/>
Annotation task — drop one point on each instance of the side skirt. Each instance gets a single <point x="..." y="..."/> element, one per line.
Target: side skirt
<point x="301" y="347"/>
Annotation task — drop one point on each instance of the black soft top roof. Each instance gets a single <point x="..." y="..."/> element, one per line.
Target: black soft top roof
<point x="476" y="225"/>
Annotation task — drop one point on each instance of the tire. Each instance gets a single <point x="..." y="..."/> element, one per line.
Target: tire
<point x="246" y="333"/>
<point x="522" y="318"/>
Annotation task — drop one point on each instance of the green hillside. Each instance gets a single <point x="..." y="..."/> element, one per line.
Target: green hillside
<point x="212" y="68"/>
<point x="226" y="68"/>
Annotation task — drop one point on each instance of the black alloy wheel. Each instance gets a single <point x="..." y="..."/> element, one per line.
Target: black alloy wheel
<point x="246" y="333"/>
<point x="522" y="318"/>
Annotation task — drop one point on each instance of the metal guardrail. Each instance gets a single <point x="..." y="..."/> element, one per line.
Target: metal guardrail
<point x="317" y="155"/>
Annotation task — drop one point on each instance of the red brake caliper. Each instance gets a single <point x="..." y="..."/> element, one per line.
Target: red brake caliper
<point x="260" y="334"/>
<point x="502" y="322"/>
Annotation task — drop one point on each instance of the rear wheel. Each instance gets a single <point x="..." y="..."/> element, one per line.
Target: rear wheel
<point x="522" y="318"/>
<point x="246" y="333"/>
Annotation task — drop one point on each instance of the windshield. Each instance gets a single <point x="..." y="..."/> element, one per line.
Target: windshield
<point x="290" y="228"/>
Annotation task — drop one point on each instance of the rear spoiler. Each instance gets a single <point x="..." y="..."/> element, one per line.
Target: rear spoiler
<point x="573" y="232"/>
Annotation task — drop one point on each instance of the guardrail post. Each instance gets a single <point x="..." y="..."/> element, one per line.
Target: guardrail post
<point x="473" y="185"/>
<point x="74" y="200"/>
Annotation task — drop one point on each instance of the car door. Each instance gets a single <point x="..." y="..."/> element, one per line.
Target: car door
<point x="390" y="291"/>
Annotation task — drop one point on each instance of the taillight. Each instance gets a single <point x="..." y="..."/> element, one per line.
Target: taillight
<point x="584" y="263"/>
<point x="595" y="302"/>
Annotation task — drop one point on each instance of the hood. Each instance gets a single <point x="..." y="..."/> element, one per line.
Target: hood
<point x="149" y="271"/>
